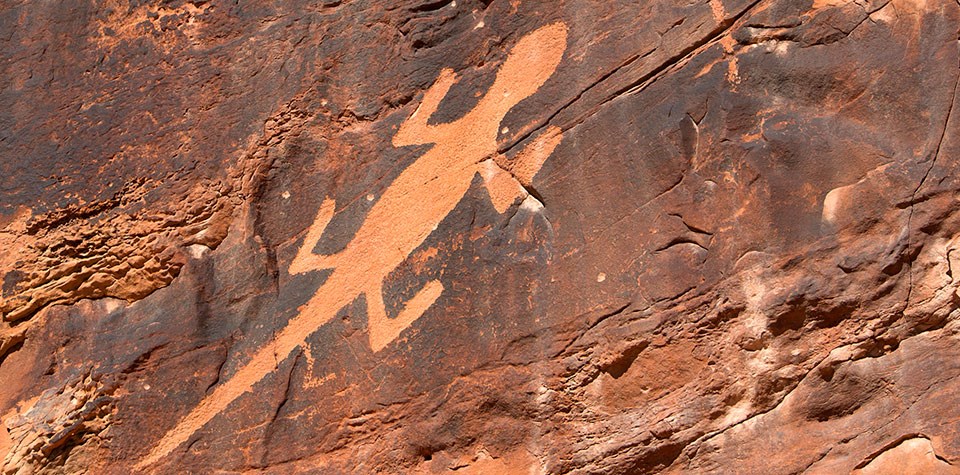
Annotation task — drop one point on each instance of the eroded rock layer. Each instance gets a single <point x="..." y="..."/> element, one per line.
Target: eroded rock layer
<point x="480" y="236"/>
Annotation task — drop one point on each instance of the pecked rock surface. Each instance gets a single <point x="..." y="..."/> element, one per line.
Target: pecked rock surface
<point x="475" y="236"/>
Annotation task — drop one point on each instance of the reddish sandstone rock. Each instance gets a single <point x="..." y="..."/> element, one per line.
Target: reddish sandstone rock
<point x="480" y="236"/>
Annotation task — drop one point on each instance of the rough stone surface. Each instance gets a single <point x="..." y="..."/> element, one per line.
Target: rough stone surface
<point x="480" y="236"/>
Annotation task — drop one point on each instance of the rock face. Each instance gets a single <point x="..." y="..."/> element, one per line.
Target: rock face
<point x="475" y="236"/>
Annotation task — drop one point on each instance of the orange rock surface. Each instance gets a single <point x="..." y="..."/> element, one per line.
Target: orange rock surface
<point x="476" y="236"/>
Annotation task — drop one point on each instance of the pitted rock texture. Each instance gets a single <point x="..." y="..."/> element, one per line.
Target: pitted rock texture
<point x="480" y="236"/>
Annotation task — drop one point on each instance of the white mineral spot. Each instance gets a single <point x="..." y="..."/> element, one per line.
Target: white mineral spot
<point x="885" y="15"/>
<point x="109" y="305"/>
<point x="479" y="25"/>
<point x="285" y="195"/>
<point x="782" y="48"/>
<point x="504" y="130"/>
<point x="738" y="413"/>
<point x="531" y="204"/>
<point x="146" y="387"/>
<point x="543" y="395"/>
<point x="197" y="250"/>
<point x="370" y="197"/>
<point x="601" y="277"/>
<point x="831" y="203"/>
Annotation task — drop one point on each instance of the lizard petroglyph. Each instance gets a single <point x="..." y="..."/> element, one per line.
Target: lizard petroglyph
<point x="407" y="212"/>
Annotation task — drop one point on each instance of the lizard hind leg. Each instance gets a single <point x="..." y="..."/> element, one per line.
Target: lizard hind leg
<point x="384" y="330"/>
<point x="306" y="260"/>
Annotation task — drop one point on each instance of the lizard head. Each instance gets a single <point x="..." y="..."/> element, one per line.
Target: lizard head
<point x="529" y="64"/>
